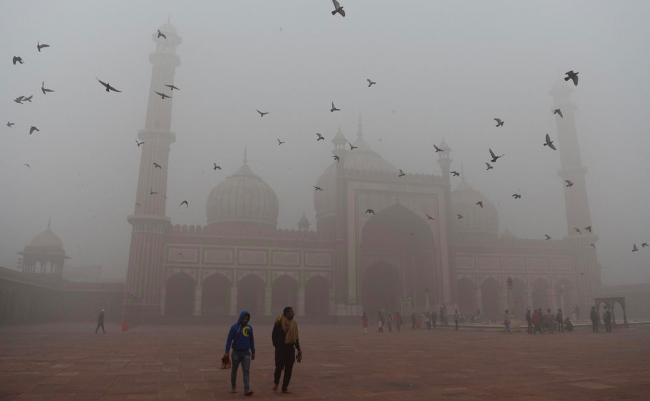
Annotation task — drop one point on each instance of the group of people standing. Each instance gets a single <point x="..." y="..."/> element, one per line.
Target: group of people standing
<point x="595" y="319"/>
<point x="429" y="320"/>
<point x="381" y="322"/>
<point x="541" y="322"/>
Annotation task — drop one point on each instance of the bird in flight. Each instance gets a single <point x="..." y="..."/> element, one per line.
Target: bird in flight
<point x="320" y="137"/>
<point x="172" y="87"/>
<point x="549" y="143"/>
<point x="28" y="99"/>
<point x="455" y="173"/>
<point x="262" y="113"/>
<point x="152" y="192"/>
<point x="40" y="46"/>
<point x="318" y="188"/>
<point x="338" y="8"/>
<point x="371" y="83"/>
<point x="578" y="230"/>
<point x="139" y="143"/>
<point x="32" y="129"/>
<point x="499" y="122"/>
<point x="588" y="228"/>
<point x="216" y="167"/>
<point x="480" y="203"/>
<point x="370" y="211"/>
<point x="161" y="34"/>
<point x="438" y="149"/>
<point x="44" y="89"/>
<point x="30" y="167"/>
<point x="572" y="76"/>
<point x="489" y="166"/>
<point x="429" y="217"/>
<point x="459" y="216"/>
<point x="162" y="95"/>
<point x="634" y="248"/>
<point x="107" y="86"/>
<point x="569" y="183"/>
<point x="333" y="109"/>
<point x="401" y="173"/>
<point x="336" y="158"/>
<point x="352" y="147"/>
<point x="18" y="59"/>
<point x="643" y="245"/>
<point x="548" y="237"/>
<point x="19" y="99"/>
<point x="593" y="245"/>
<point x="559" y="112"/>
<point x="10" y="124"/>
<point x="156" y="165"/>
<point x="280" y="142"/>
<point x="495" y="157"/>
<point x="516" y="196"/>
<point x="185" y="202"/>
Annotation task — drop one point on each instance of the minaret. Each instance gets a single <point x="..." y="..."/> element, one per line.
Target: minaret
<point x="445" y="160"/>
<point x="575" y="197"/>
<point x="145" y="273"/>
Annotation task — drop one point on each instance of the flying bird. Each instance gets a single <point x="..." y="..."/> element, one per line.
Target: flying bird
<point x="370" y="211"/>
<point x="318" y="188"/>
<point x="578" y="230"/>
<point x="495" y="157"/>
<point x="489" y="166"/>
<point x="156" y="165"/>
<point x="18" y="59"/>
<point x="216" y="167"/>
<point x="593" y="245"/>
<point x="10" y="124"/>
<point x="572" y="76"/>
<point x="352" y="147"/>
<point x="262" y="113"/>
<point x="480" y="203"/>
<point x="32" y="129"/>
<point x="438" y="149"/>
<point x="569" y="183"/>
<point x="634" y="248"/>
<point x="107" y="86"/>
<point x="185" y="202"/>
<point x="336" y="158"/>
<point x="139" y="143"/>
<point x="44" y="89"/>
<point x="549" y="143"/>
<point x="429" y="217"/>
<point x="559" y="112"/>
<point x="338" y="8"/>
<point x="455" y="173"/>
<point x="30" y="167"/>
<point x="548" y="237"/>
<point x="371" y="83"/>
<point x="516" y="196"/>
<point x="152" y="192"/>
<point x="459" y="216"/>
<point x="28" y="98"/>
<point x="40" y="46"/>
<point x="162" y="95"/>
<point x="19" y="99"/>
<point x="172" y="87"/>
<point x="161" y="34"/>
<point x="588" y="228"/>
<point x="333" y="109"/>
<point x="320" y="137"/>
<point x="499" y="122"/>
<point x="401" y="173"/>
<point x="643" y="245"/>
<point x="280" y="142"/>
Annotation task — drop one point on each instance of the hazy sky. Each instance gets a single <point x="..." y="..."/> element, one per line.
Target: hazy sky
<point x="445" y="68"/>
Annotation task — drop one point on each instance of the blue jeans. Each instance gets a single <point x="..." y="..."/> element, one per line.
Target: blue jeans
<point x="507" y="327"/>
<point x="243" y="357"/>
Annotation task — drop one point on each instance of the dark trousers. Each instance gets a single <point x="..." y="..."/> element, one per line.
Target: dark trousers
<point x="538" y="327"/>
<point x="608" y="326"/>
<point x="560" y="327"/>
<point x="530" y="327"/>
<point x="456" y="322"/>
<point x="100" y="325"/>
<point x="399" y="326"/>
<point x="285" y="356"/>
<point x="594" y="326"/>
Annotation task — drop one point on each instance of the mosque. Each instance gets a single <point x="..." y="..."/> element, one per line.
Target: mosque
<point x="413" y="253"/>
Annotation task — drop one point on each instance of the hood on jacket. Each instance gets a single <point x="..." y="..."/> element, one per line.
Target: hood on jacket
<point x="241" y="316"/>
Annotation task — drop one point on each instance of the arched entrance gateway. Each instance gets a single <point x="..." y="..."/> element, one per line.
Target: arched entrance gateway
<point x="401" y="274"/>
<point x="250" y="295"/>
<point x="285" y="293"/>
<point x="317" y="294"/>
<point x="179" y="295"/>
<point x="215" y="296"/>
<point x="466" y="294"/>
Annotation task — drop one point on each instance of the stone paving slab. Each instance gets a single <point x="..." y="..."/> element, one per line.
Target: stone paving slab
<point x="70" y="362"/>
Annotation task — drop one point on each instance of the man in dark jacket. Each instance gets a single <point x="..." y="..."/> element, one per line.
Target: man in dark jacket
<point x="240" y="338"/>
<point x="595" y="321"/>
<point x="285" y="341"/>
<point x="560" y="321"/>
<point x="529" y="320"/>
<point x="100" y="322"/>
<point x="608" y="320"/>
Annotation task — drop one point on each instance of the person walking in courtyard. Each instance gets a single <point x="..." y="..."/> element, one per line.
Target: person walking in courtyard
<point x="529" y="320"/>
<point x="240" y="338"/>
<point x="364" y="319"/>
<point x="413" y="320"/>
<point x="434" y="319"/>
<point x="506" y="321"/>
<point x="100" y="322"/>
<point x="456" y="318"/>
<point x="286" y="342"/>
<point x="607" y="318"/>
<point x="595" y="321"/>
<point x="390" y="323"/>
<point x="549" y="318"/>
<point x="560" y="321"/>
<point x="426" y="318"/>
<point x="398" y="321"/>
<point x="380" y="323"/>
<point x="537" y="322"/>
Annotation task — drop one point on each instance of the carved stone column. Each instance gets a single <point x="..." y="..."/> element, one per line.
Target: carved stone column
<point x="301" y="302"/>
<point x="233" y="301"/>
<point x="268" y="298"/>
<point x="197" y="300"/>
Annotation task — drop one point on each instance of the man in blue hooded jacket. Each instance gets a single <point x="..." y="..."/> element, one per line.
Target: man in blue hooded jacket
<point x="240" y="338"/>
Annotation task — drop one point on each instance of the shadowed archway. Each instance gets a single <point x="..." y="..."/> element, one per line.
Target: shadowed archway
<point x="317" y="294"/>
<point x="179" y="295"/>
<point x="215" y="296"/>
<point x="491" y="299"/>
<point x="382" y="288"/>
<point x="250" y="295"/>
<point x="541" y="294"/>
<point x="466" y="295"/>
<point x="285" y="293"/>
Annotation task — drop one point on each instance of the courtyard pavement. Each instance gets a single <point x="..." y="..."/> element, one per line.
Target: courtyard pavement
<point x="71" y="363"/>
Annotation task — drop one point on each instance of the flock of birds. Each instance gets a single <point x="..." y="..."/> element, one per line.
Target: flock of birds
<point x="338" y="9"/>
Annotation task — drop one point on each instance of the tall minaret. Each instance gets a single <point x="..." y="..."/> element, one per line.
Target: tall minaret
<point x="145" y="279"/>
<point x="575" y="197"/>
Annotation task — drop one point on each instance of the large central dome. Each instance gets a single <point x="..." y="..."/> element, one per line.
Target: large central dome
<point x="476" y="220"/>
<point x="243" y="198"/>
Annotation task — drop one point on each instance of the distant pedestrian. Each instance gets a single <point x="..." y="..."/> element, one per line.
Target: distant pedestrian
<point x="595" y="321"/>
<point x="426" y="317"/>
<point x="506" y="321"/>
<point x="380" y="323"/>
<point x="413" y="320"/>
<point x="549" y="318"/>
<point x="607" y="318"/>
<point x="456" y="318"/>
<point x="100" y="322"/>
<point x="529" y="320"/>
<point x="286" y="342"/>
<point x="398" y="321"/>
<point x="568" y="326"/>
<point x="390" y="323"/>
<point x="365" y="323"/>
<point x="537" y="322"/>
<point x="240" y="338"/>
<point x="434" y="319"/>
<point x="560" y="321"/>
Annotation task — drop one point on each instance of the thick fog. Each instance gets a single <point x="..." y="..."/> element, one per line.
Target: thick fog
<point x="443" y="69"/>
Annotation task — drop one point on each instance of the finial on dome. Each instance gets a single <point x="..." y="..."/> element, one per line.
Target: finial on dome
<point x="360" y="126"/>
<point x="245" y="156"/>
